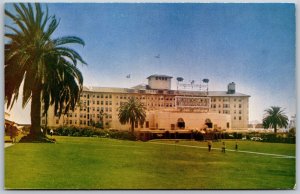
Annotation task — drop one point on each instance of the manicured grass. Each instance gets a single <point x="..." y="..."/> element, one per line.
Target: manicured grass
<point x="99" y="163"/>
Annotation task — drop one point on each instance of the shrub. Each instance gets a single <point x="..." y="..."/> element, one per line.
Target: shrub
<point x="92" y="132"/>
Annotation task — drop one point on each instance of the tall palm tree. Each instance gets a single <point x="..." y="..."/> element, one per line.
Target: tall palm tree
<point x="275" y="117"/>
<point x="131" y="112"/>
<point x="46" y="67"/>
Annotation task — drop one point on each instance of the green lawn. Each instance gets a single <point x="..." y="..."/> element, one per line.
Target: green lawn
<point x="99" y="163"/>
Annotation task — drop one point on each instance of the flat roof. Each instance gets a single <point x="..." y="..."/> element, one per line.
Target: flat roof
<point x="143" y="90"/>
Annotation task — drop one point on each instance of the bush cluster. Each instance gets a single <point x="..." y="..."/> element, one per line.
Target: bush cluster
<point x="279" y="138"/>
<point x="91" y="132"/>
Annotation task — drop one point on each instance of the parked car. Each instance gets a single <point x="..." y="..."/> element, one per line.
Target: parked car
<point x="256" y="138"/>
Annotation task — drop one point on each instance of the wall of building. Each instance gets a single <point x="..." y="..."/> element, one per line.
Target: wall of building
<point x="235" y="108"/>
<point x="165" y="120"/>
<point x="162" y="83"/>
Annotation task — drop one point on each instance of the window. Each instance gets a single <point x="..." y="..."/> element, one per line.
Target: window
<point x="240" y="105"/>
<point x="147" y="124"/>
<point x="225" y="105"/>
<point x="240" y="118"/>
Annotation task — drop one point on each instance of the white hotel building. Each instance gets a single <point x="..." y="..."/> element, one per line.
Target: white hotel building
<point x="166" y="109"/>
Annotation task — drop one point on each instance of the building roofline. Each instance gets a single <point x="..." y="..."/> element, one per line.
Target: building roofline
<point x="171" y="92"/>
<point x="157" y="75"/>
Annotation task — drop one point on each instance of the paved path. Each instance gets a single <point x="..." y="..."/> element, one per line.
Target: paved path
<point x="249" y="152"/>
<point x="7" y="145"/>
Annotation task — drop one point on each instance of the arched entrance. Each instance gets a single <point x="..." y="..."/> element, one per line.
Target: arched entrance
<point x="208" y="123"/>
<point x="180" y="123"/>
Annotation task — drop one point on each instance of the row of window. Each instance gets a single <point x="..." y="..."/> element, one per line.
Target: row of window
<point x="225" y="100"/>
<point x="234" y="118"/>
<point x="95" y="115"/>
<point x="161" y="78"/>
<point x="225" y="106"/>
<point x="81" y="122"/>
<point x="96" y="96"/>
<point x="228" y="112"/>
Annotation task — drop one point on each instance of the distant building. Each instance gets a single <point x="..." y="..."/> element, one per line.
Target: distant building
<point x="166" y="109"/>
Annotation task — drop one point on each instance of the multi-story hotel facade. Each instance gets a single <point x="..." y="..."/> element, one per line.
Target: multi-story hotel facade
<point x="166" y="109"/>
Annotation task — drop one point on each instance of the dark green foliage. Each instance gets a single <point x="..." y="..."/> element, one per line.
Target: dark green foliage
<point x="292" y="131"/>
<point x="279" y="138"/>
<point x="92" y="132"/>
<point x="275" y="117"/>
<point x="198" y="136"/>
<point x="132" y="111"/>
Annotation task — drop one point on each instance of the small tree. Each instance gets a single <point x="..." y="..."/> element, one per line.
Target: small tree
<point x="275" y="117"/>
<point x="292" y="131"/>
<point x="131" y="112"/>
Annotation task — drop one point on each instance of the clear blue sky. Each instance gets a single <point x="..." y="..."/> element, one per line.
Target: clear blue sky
<point x="252" y="45"/>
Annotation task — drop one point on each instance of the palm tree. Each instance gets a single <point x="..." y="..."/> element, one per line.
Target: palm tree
<point x="46" y="67"/>
<point x="275" y="117"/>
<point x="131" y="112"/>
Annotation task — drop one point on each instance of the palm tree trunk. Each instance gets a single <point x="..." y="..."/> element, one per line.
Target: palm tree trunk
<point x="132" y="127"/>
<point x="275" y="129"/>
<point x="35" y="113"/>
